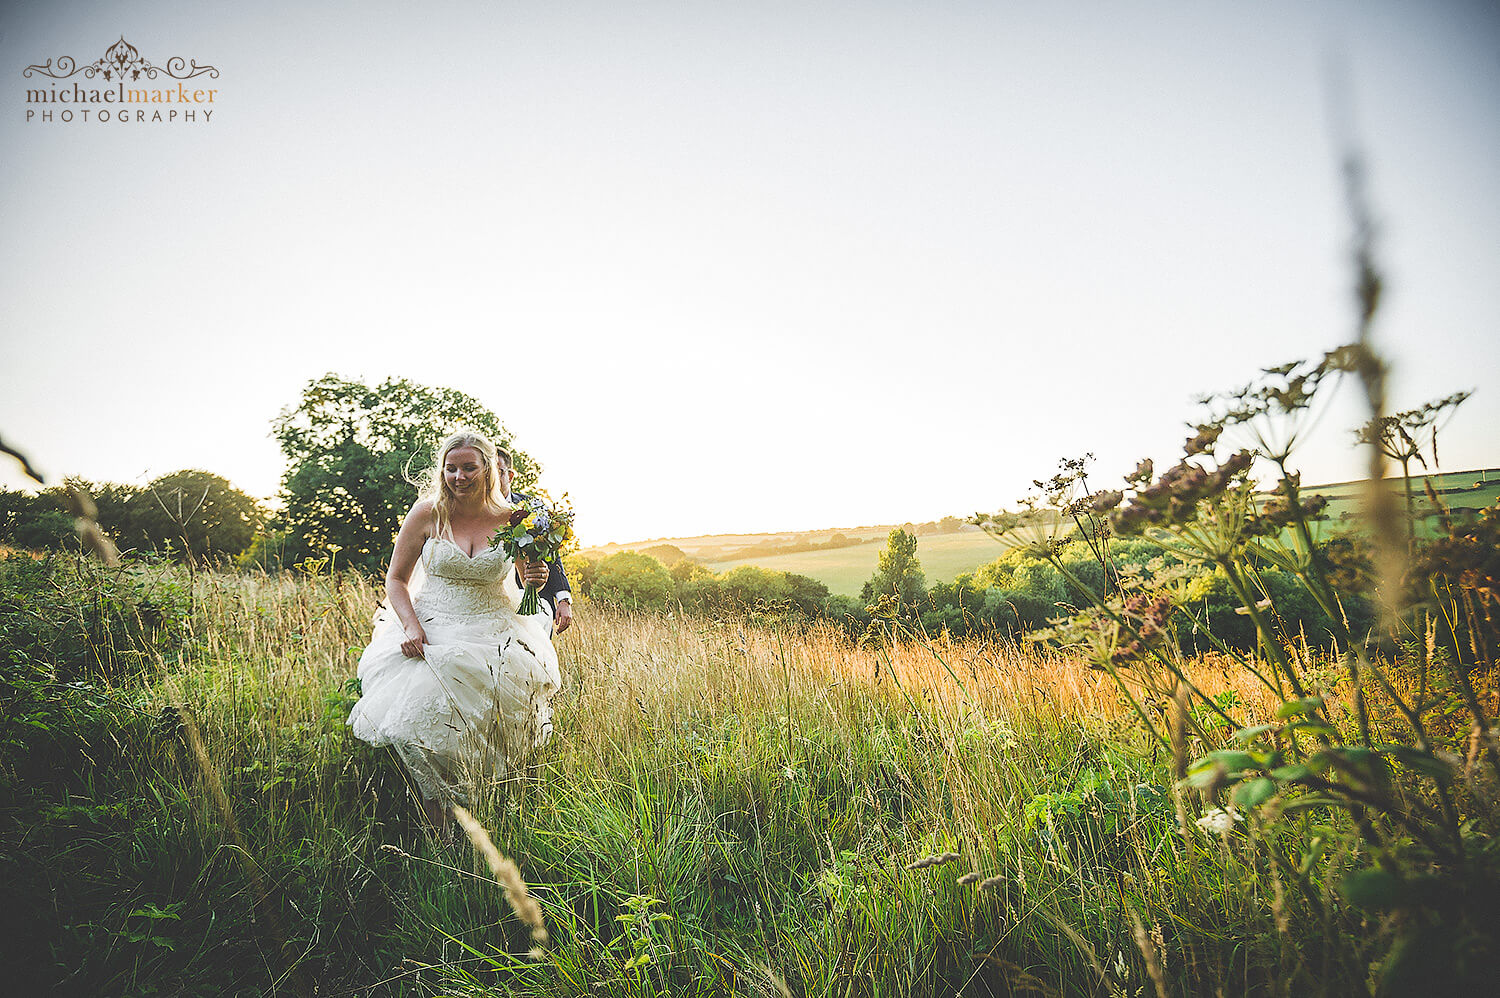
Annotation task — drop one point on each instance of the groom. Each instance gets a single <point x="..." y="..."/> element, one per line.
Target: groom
<point x="555" y="592"/>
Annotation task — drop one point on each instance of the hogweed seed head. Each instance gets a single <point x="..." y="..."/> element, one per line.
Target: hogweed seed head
<point x="1203" y="443"/>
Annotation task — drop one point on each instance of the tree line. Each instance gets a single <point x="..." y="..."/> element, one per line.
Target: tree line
<point x="353" y="455"/>
<point x="1012" y="595"/>
<point x="353" y="452"/>
<point x="189" y="515"/>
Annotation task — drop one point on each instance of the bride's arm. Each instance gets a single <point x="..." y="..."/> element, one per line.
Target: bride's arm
<point x="409" y="543"/>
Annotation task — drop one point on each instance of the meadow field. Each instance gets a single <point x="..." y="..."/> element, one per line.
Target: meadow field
<point x="729" y="807"/>
<point x="844" y="570"/>
<point x="727" y="547"/>
<point x="1461" y="492"/>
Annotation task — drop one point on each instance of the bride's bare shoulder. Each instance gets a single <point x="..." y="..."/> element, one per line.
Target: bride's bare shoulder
<point x="422" y="517"/>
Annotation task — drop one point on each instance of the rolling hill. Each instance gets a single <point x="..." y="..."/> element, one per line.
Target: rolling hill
<point x="843" y="558"/>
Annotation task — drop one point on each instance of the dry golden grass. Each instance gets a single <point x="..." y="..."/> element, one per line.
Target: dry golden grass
<point x="620" y="664"/>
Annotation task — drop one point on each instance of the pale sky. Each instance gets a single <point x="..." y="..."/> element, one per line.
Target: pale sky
<point x="744" y="266"/>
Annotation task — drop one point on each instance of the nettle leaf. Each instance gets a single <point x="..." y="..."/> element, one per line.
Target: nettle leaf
<point x="1320" y="763"/>
<point x="1309" y="801"/>
<point x="1237" y="760"/>
<point x="1255" y="792"/>
<point x="1373" y="890"/>
<point x="1352" y="756"/>
<point x="1313" y="728"/>
<point x="1423" y="762"/>
<point x="1294" y="708"/>
<point x="1360" y="765"/>
<point x="1253" y="732"/>
<point x="1292" y="773"/>
<point x="1205" y="773"/>
<point x="152" y="911"/>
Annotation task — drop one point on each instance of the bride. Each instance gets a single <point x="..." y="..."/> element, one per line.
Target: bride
<point x="453" y="678"/>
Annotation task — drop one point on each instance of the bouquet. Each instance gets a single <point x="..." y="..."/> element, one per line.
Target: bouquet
<point x="536" y="531"/>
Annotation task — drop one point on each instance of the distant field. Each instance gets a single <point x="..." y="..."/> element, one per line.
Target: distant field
<point x="1460" y="491"/>
<point x="845" y="570"/>
<point x="725" y="547"/>
<point x="944" y="556"/>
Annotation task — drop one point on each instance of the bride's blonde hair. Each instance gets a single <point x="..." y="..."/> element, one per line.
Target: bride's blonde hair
<point x="436" y="488"/>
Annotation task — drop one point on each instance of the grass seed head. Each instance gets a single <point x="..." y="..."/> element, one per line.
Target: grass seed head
<point x="506" y="872"/>
<point x="937" y="859"/>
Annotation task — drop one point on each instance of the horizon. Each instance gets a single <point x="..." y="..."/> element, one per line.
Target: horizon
<point x="964" y="519"/>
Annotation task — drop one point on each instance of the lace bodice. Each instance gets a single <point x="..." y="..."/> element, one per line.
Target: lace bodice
<point x="458" y="586"/>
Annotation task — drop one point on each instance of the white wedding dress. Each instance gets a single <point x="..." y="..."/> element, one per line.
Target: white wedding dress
<point x="480" y="698"/>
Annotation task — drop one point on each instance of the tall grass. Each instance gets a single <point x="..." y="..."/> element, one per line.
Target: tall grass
<point x="725" y="809"/>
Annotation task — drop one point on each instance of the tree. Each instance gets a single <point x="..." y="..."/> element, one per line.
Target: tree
<point x="195" y="514"/>
<point x="189" y="513"/>
<point x="667" y="554"/>
<point x="117" y="508"/>
<point x="34" y="521"/>
<point x="808" y="595"/>
<point x="633" y="580"/>
<point x="898" y="572"/>
<point x="697" y="587"/>
<point x="750" y="587"/>
<point x="582" y="571"/>
<point x="349" y="448"/>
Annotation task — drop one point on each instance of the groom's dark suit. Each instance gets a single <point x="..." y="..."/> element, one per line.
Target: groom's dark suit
<point x="556" y="586"/>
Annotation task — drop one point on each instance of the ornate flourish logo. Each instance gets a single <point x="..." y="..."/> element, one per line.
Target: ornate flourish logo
<point x="121" y="61"/>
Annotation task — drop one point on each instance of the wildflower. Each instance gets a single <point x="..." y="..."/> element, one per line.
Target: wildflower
<point x="1468" y="556"/>
<point x="1106" y="501"/>
<point x="1176" y="494"/>
<point x="790" y="774"/>
<point x="1150" y="619"/>
<point x="1220" y="820"/>
<point x="1142" y="473"/>
<point x="1203" y="443"/>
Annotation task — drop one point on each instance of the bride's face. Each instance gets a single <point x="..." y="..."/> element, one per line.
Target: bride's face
<point x="464" y="473"/>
